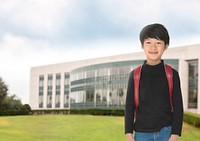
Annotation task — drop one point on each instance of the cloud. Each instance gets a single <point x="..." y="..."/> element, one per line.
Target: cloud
<point x="83" y="20"/>
<point x="42" y="17"/>
<point x="18" y="54"/>
<point x="115" y="19"/>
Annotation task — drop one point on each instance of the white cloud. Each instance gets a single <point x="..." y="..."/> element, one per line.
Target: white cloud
<point x="41" y="16"/>
<point x="17" y="55"/>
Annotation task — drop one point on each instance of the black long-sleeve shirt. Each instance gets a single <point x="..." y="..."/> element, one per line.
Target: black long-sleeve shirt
<point x="154" y="110"/>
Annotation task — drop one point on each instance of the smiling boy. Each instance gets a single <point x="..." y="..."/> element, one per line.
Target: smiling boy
<point x="154" y="119"/>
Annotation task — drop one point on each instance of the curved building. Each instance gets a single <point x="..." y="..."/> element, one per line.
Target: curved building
<point x="102" y="82"/>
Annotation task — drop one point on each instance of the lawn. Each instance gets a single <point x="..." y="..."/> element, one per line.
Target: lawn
<point x="71" y="128"/>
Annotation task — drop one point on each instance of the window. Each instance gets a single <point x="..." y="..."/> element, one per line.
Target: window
<point x="49" y="91"/>
<point x="193" y="84"/>
<point x="49" y="101"/>
<point x="40" y="101"/>
<point x="57" y="101"/>
<point x="66" y="90"/>
<point x="41" y="90"/>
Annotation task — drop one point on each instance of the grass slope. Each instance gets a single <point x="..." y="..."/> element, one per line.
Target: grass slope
<point x="71" y="128"/>
<point x="61" y="128"/>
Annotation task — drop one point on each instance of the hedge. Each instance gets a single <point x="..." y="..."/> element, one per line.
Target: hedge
<point x="113" y="112"/>
<point x="13" y="112"/>
<point x="191" y="118"/>
<point x="50" y="111"/>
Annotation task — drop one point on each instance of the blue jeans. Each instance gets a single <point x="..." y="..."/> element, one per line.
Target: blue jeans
<point x="162" y="135"/>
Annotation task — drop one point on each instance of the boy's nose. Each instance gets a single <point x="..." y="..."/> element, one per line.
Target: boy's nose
<point x="153" y="46"/>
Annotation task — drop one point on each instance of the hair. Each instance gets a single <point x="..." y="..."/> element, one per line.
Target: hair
<point x="157" y="31"/>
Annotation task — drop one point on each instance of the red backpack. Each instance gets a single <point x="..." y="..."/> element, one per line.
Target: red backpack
<point x="137" y="71"/>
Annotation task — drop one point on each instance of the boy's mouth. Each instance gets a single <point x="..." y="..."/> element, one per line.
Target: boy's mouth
<point x="153" y="52"/>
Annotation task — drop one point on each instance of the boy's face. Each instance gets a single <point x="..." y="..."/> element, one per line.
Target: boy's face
<point x="154" y="49"/>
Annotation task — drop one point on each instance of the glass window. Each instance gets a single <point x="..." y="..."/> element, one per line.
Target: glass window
<point x="103" y="85"/>
<point x="41" y="90"/>
<point x="58" y="78"/>
<point x="66" y="100"/>
<point x="67" y="75"/>
<point x="193" y="84"/>
<point x="50" y="79"/>
<point x="57" y="101"/>
<point x="49" y="101"/>
<point x="40" y="101"/>
<point x="41" y="80"/>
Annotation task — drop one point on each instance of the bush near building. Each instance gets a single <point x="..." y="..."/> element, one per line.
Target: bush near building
<point x="24" y="110"/>
<point x="192" y="118"/>
<point x="109" y="112"/>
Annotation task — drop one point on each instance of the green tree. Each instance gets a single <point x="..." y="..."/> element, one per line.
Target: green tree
<point x="12" y="103"/>
<point x="3" y="92"/>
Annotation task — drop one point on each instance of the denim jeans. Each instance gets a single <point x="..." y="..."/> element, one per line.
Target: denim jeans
<point x="162" y="135"/>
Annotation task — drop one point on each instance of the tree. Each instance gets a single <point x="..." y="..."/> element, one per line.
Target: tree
<point x="3" y="92"/>
<point x="11" y="103"/>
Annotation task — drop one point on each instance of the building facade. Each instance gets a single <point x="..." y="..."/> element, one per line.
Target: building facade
<point x="102" y="82"/>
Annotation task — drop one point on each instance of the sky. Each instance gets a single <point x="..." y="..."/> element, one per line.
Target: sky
<point x="41" y="32"/>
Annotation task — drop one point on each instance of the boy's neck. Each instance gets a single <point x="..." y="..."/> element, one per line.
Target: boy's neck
<point x="153" y="63"/>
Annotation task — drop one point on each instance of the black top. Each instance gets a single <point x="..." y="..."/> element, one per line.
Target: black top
<point x="154" y="110"/>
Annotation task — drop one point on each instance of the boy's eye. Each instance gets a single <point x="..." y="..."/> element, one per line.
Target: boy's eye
<point x="148" y="42"/>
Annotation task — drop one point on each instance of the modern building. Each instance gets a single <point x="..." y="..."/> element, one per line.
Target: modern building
<point x="102" y="82"/>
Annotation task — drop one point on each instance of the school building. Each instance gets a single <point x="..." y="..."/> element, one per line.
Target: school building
<point x="102" y="82"/>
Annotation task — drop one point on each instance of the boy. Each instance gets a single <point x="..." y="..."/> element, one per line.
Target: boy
<point x="154" y="121"/>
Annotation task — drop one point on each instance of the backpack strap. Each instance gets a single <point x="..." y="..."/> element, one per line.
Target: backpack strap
<point x="136" y="76"/>
<point x="169" y="74"/>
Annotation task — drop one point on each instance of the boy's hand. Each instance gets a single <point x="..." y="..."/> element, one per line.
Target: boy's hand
<point x="173" y="137"/>
<point x="129" y="137"/>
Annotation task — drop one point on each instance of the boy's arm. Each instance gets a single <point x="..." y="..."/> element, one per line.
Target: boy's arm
<point x="177" y="105"/>
<point x="129" y="106"/>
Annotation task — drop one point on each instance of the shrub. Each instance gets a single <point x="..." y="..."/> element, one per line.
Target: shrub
<point x="113" y="112"/>
<point x="23" y="110"/>
<point x="191" y="118"/>
<point x="50" y="111"/>
<point x="12" y="112"/>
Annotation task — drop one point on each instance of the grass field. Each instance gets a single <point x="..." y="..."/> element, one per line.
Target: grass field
<point x="71" y="128"/>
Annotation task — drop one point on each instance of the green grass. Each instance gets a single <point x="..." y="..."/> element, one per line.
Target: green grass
<point x="72" y="128"/>
<point x="61" y="128"/>
<point x="190" y="133"/>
